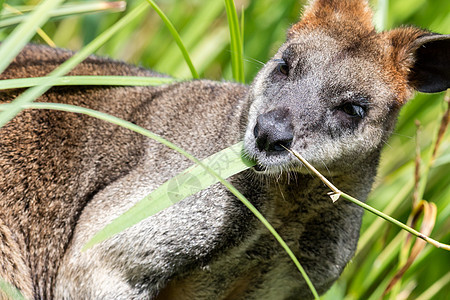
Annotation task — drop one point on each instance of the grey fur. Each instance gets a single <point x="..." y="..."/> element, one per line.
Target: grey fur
<point x="63" y="177"/>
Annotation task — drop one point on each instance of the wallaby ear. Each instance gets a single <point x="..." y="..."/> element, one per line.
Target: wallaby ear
<point x="421" y="57"/>
<point x="353" y="17"/>
<point x="430" y="72"/>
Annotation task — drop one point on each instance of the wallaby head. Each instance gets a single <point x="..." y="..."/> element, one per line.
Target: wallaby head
<point x="334" y="89"/>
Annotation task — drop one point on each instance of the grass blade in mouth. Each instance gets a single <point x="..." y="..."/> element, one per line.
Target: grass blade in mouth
<point x="336" y="194"/>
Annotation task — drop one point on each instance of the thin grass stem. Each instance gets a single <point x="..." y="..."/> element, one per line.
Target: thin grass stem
<point x="16" y="16"/>
<point x="237" y="52"/>
<point x="14" y="43"/>
<point x="86" y="80"/>
<point x="336" y="194"/>
<point x="176" y="36"/>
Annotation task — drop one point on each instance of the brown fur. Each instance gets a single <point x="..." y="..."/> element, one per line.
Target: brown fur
<point x="14" y="267"/>
<point x="44" y="170"/>
<point x="337" y="18"/>
<point x="398" y="58"/>
<point x="351" y="22"/>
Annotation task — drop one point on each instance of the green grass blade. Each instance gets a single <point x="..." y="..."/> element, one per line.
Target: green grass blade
<point x="439" y="285"/>
<point x="381" y="15"/>
<point x="198" y="28"/>
<point x="24" y="32"/>
<point x="176" y="36"/>
<point x="10" y="291"/>
<point x="375" y="229"/>
<point x="66" y="10"/>
<point x="242" y="29"/>
<point x="225" y="163"/>
<point x="32" y="93"/>
<point x="1" y="7"/>
<point x="86" y="80"/>
<point x="207" y="50"/>
<point x="237" y="52"/>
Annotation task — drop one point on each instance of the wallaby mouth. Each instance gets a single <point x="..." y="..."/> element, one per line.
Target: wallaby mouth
<point x="258" y="168"/>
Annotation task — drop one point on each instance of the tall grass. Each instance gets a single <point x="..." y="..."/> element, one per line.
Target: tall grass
<point x="204" y="29"/>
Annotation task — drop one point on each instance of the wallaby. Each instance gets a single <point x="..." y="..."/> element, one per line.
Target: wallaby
<point x="332" y="92"/>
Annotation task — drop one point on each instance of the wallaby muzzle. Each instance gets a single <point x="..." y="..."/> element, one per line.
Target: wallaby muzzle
<point x="273" y="131"/>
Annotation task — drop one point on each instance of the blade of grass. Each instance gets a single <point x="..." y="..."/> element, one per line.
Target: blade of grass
<point x="66" y="10"/>
<point x="242" y="28"/>
<point x="24" y="32"/>
<point x="237" y="52"/>
<point x="32" y="93"/>
<point x="375" y="227"/>
<point x="10" y="291"/>
<point x="225" y="163"/>
<point x="176" y="36"/>
<point x="108" y="231"/>
<point x="443" y="128"/>
<point x="435" y="288"/>
<point x="86" y="80"/>
<point x="381" y="15"/>
<point x="385" y="259"/>
<point x="39" y="31"/>
<point x="336" y="194"/>
<point x="205" y="52"/>
<point x="381" y="263"/>
<point x="429" y="157"/>
<point x="407" y="255"/>
<point x="198" y="28"/>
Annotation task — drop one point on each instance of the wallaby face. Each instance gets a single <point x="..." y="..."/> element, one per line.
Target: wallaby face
<point x="330" y="103"/>
<point x="332" y="92"/>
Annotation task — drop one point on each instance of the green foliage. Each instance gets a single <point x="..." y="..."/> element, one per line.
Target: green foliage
<point x="203" y="27"/>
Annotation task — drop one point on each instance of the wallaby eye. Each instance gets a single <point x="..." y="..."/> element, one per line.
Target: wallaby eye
<point x="283" y="67"/>
<point x="353" y="110"/>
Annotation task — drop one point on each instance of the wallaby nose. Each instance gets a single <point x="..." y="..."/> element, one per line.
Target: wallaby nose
<point x="273" y="130"/>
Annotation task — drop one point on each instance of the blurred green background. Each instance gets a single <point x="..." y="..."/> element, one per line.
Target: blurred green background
<point x="204" y="30"/>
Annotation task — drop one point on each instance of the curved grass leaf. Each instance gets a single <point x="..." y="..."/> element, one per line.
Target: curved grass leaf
<point x="86" y="80"/>
<point x="32" y="93"/>
<point x="237" y="52"/>
<point x="70" y="9"/>
<point x="193" y="32"/>
<point x="225" y="163"/>
<point x="24" y="32"/>
<point x="176" y="36"/>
